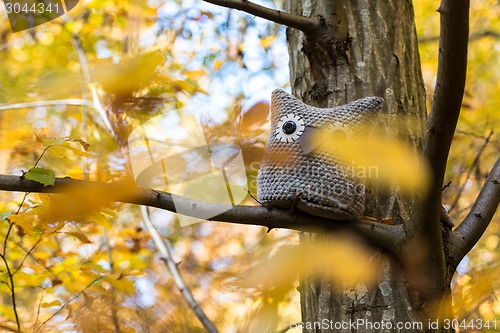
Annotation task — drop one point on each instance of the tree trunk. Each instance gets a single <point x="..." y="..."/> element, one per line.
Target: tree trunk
<point x="368" y="48"/>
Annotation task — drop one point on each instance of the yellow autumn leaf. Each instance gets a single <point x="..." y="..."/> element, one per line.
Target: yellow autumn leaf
<point x="218" y="64"/>
<point x="57" y="151"/>
<point x="15" y="136"/>
<point x="265" y="316"/>
<point x="476" y="287"/>
<point x="80" y="202"/>
<point x="343" y="261"/>
<point x="25" y="221"/>
<point x="130" y="74"/>
<point x="119" y="282"/>
<point x="76" y="151"/>
<point x="50" y="304"/>
<point x="195" y="75"/>
<point x="81" y="237"/>
<point x="375" y="158"/>
<point x="267" y="41"/>
<point x="7" y="311"/>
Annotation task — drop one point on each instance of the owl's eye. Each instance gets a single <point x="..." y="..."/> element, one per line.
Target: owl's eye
<point x="290" y="128"/>
<point x="339" y="131"/>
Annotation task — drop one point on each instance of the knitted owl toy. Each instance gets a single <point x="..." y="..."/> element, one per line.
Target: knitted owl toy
<point x="297" y="172"/>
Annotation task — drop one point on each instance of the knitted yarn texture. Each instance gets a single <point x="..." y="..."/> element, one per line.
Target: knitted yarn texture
<point x="296" y="173"/>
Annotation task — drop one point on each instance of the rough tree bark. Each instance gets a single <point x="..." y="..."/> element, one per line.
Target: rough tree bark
<point x="366" y="48"/>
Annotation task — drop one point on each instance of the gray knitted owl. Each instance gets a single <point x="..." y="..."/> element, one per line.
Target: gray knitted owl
<point x="297" y="172"/>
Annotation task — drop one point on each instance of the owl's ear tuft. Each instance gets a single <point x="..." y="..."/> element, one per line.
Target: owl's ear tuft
<point x="281" y="97"/>
<point x="279" y="93"/>
<point x="282" y="103"/>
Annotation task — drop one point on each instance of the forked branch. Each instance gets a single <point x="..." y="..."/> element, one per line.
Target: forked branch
<point x="303" y="23"/>
<point x="440" y="128"/>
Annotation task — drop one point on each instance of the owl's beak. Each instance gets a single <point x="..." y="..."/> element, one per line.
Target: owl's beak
<point x="308" y="139"/>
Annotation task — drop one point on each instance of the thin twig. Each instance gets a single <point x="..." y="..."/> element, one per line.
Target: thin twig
<point x="162" y="247"/>
<point x="446" y="186"/>
<point x="38" y="310"/>
<point x="12" y="292"/>
<point x="114" y="312"/>
<point x="10" y="275"/>
<point x="70" y="300"/>
<point x="35" y="259"/>
<point x="71" y="101"/>
<point x="7" y="237"/>
<point x="256" y="200"/>
<point x="469" y="171"/>
<point x="472" y="37"/>
<point x="30" y="251"/>
<point x="303" y="23"/>
<point x="7" y="267"/>
<point x="86" y="80"/>
<point x="41" y="155"/>
<point x="28" y="254"/>
<point x="35" y="104"/>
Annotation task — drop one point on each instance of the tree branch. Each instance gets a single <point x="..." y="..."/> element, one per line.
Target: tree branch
<point x="34" y="104"/>
<point x="450" y="84"/>
<point x="440" y="128"/>
<point x="306" y="24"/>
<point x="479" y="217"/>
<point x="69" y="301"/>
<point x="167" y="258"/>
<point x="388" y="237"/>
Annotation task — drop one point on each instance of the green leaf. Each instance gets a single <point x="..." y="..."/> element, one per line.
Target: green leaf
<point x="4" y="216"/>
<point x="41" y="175"/>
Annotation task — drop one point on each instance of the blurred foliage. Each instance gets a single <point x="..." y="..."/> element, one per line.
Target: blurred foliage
<point x="81" y="263"/>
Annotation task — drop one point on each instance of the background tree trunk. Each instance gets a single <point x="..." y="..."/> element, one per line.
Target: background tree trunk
<point x="369" y="48"/>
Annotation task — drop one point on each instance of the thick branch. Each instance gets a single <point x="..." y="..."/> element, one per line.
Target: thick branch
<point x="382" y="235"/>
<point x="306" y="24"/>
<point x="479" y="217"/>
<point x="440" y="128"/>
<point x="450" y="84"/>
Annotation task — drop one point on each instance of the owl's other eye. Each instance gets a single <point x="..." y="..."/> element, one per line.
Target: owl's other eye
<point x="339" y="131"/>
<point x="290" y="128"/>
